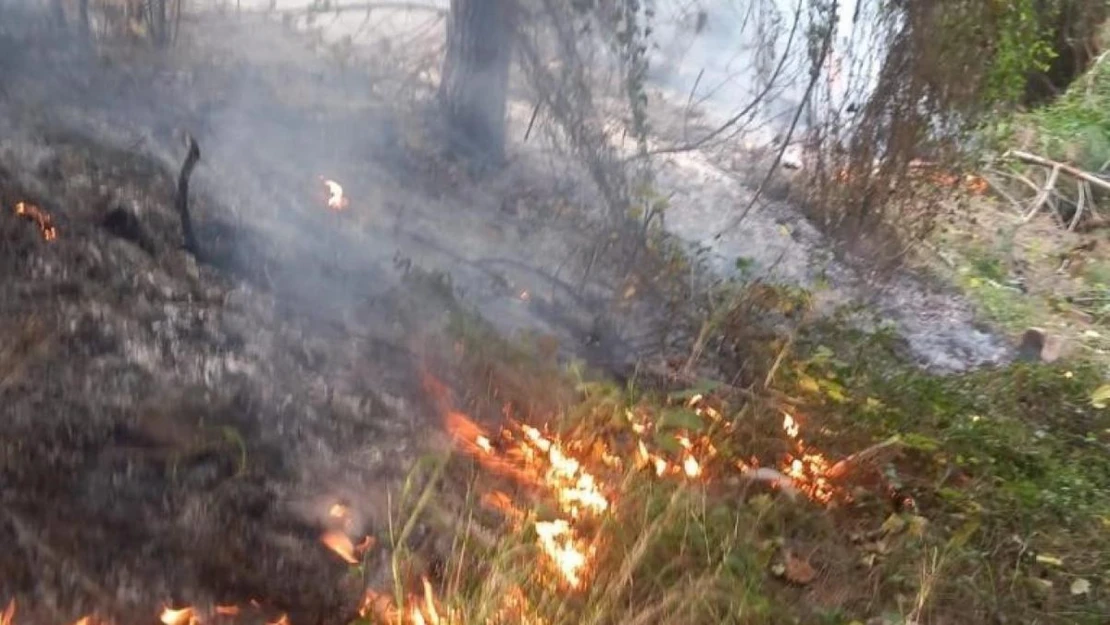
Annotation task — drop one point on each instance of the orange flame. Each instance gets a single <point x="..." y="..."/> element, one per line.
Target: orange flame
<point x="7" y="617"/>
<point x="184" y="616"/>
<point x="41" y="218"/>
<point x="341" y="545"/>
<point x="808" y="469"/>
<point x="560" y="542"/>
<point x="227" y="610"/>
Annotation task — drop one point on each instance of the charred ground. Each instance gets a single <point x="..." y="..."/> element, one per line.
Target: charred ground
<point x="175" y="427"/>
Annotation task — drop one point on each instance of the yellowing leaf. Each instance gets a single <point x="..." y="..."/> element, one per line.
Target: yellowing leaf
<point x="808" y="384"/>
<point x="1044" y="558"/>
<point x="893" y="524"/>
<point x="1100" y="396"/>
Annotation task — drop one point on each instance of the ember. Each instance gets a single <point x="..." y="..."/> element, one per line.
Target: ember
<point x="41" y="218"/>
<point x="336" y="200"/>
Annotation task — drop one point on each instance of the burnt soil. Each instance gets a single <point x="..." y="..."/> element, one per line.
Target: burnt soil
<point x="175" y="430"/>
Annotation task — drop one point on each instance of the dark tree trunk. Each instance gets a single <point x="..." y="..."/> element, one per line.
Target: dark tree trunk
<point x="160" y="26"/>
<point x="476" y="76"/>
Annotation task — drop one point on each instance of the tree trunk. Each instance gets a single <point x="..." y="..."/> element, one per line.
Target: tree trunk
<point x="475" y="82"/>
<point x="59" y="13"/>
<point x="83" y="17"/>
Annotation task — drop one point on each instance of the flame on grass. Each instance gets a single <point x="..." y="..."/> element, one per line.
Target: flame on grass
<point x="41" y="218"/>
<point x="808" y="468"/>
<point x="529" y="457"/>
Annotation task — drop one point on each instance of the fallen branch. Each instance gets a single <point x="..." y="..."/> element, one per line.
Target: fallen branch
<point x="1070" y="170"/>
<point x="181" y="201"/>
<point x="1042" y="195"/>
<point x="842" y="468"/>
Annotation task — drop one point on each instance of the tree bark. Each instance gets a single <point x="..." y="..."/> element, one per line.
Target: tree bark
<point x="475" y="82"/>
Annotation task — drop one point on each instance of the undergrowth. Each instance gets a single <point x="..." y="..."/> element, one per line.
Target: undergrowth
<point x="985" y="500"/>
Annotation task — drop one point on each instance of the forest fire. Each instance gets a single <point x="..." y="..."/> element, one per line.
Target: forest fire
<point x="41" y="218"/>
<point x="336" y="200"/>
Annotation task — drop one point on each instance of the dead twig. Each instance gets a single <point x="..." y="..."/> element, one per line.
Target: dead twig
<point x="1070" y="170"/>
<point x="1042" y="195"/>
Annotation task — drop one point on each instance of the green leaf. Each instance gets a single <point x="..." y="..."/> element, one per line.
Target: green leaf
<point x="667" y="443"/>
<point x="679" y="418"/>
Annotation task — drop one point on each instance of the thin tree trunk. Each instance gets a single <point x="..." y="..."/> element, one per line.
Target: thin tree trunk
<point x="475" y="82"/>
<point x="83" y="18"/>
<point x="59" y="13"/>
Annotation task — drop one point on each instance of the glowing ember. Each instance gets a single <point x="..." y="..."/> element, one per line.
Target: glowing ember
<point x="336" y="200"/>
<point x="341" y="545"/>
<point x="41" y="218"/>
<point x="184" y="616"/>
<point x="227" y="610"/>
<point x="339" y="511"/>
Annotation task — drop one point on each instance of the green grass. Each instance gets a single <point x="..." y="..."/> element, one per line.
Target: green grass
<point x="994" y="507"/>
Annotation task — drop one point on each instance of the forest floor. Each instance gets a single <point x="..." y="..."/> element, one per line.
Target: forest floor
<point x="223" y="435"/>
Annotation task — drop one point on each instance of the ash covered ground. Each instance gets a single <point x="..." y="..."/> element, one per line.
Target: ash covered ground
<point x="175" y="430"/>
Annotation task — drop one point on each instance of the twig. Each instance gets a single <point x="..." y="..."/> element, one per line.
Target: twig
<point x="1005" y="194"/>
<point x="1042" y="196"/>
<point x="535" y="112"/>
<point x="840" y="469"/>
<point x="1080" y="202"/>
<point x="815" y="75"/>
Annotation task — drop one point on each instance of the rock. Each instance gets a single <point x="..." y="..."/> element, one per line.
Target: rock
<point x="1038" y="346"/>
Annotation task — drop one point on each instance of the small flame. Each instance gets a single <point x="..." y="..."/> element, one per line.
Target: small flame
<point x="41" y="218"/>
<point x="560" y="543"/>
<point x="341" y="545"/>
<point x="336" y="200"/>
<point x="808" y="469"/>
<point x="8" y="615"/>
<point x="483" y="443"/>
<point x="227" y="610"/>
<point x="184" y="616"/>
<point x="691" y="467"/>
